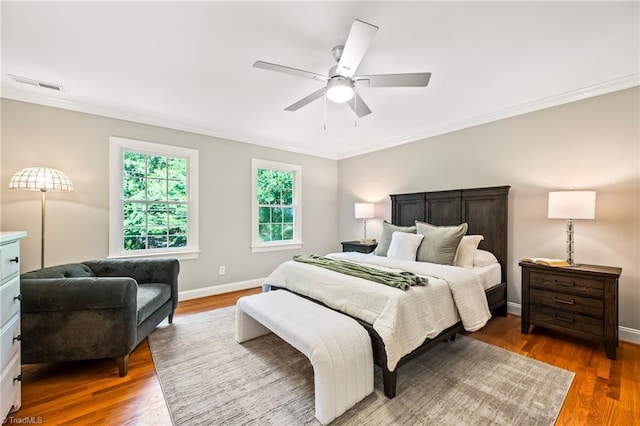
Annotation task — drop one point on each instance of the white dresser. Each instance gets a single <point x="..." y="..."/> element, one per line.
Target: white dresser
<point x="10" y="378"/>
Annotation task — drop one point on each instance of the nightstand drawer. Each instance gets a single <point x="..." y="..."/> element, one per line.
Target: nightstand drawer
<point x="9" y="343"/>
<point x="10" y="386"/>
<point x="553" y="318"/>
<point x="9" y="299"/>
<point x="567" y="283"/>
<point x="567" y="302"/>
<point x="9" y="259"/>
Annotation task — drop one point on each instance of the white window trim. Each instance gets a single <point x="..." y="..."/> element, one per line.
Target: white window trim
<point x="116" y="147"/>
<point x="256" y="245"/>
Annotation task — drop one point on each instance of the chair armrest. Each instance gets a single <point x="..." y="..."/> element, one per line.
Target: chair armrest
<point x="77" y="294"/>
<point x="161" y="271"/>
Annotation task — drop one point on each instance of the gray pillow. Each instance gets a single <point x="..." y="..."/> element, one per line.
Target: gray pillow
<point x="440" y="243"/>
<point x="385" y="238"/>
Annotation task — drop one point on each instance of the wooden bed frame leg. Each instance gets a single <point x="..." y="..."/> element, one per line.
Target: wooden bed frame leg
<point x="502" y="310"/>
<point x="389" y="378"/>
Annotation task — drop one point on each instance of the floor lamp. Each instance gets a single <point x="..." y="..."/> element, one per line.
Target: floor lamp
<point x="41" y="179"/>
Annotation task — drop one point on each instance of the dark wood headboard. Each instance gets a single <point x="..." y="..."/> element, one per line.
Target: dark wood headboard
<point x="485" y="210"/>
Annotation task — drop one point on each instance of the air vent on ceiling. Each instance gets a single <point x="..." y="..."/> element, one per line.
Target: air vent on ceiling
<point x="36" y="83"/>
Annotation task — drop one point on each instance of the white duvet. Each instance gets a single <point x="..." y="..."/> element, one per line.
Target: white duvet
<point x="403" y="319"/>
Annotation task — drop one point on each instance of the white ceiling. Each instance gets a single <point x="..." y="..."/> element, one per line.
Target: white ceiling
<point x="189" y="65"/>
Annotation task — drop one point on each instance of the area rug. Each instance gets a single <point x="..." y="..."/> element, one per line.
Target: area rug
<point x="209" y="379"/>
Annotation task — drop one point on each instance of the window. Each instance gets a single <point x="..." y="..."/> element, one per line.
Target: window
<point x="153" y="199"/>
<point x="276" y="206"/>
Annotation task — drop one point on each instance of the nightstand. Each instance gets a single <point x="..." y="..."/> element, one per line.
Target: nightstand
<point x="358" y="246"/>
<point x="581" y="300"/>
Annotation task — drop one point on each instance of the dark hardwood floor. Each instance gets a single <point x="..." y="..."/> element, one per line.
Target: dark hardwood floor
<point x="604" y="392"/>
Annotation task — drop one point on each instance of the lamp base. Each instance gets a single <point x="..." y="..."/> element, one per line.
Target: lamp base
<point x="369" y="241"/>
<point x="570" y="231"/>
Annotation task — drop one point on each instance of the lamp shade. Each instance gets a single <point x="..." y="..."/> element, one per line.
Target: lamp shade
<point x="572" y="205"/>
<point x="364" y="210"/>
<point x="40" y="179"/>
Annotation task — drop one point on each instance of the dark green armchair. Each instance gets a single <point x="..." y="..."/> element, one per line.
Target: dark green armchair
<point x="95" y="309"/>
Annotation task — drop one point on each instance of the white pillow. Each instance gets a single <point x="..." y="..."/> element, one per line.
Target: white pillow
<point x="467" y="250"/>
<point x="404" y="245"/>
<point x="484" y="258"/>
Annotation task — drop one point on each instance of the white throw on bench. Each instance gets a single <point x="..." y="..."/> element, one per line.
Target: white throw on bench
<point x="338" y="347"/>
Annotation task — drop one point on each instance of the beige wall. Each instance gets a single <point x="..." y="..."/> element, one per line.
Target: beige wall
<point x="77" y="222"/>
<point x="591" y="144"/>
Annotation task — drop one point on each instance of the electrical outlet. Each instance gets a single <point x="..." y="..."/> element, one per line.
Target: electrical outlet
<point x="222" y="270"/>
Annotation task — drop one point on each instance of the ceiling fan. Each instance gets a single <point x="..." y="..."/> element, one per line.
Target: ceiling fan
<point x="341" y="81"/>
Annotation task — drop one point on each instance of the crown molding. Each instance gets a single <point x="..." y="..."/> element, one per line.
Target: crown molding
<point x="602" y="88"/>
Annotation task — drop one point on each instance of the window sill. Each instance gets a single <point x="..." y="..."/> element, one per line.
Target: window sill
<point x="181" y="255"/>
<point x="276" y="247"/>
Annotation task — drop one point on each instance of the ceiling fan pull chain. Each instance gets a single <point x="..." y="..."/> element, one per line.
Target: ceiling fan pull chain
<point x="325" y="112"/>
<point x="355" y="105"/>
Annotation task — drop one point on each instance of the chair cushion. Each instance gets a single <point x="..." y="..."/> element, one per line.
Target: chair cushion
<point x="150" y="297"/>
<point x="70" y="270"/>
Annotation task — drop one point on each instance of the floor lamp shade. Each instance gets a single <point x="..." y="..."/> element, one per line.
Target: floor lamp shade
<point x="41" y="179"/>
<point x="571" y="205"/>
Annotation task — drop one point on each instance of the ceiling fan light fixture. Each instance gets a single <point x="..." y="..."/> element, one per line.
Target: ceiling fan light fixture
<point x="339" y="89"/>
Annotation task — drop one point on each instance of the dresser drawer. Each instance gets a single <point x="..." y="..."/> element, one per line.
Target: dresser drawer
<point x="567" y="284"/>
<point x="10" y="386"/>
<point x="9" y="302"/>
<point x="568" y="302"/>
<point x="9" y="259"/>
<point x="8" y="345"/>
<point x="554" y="318"/>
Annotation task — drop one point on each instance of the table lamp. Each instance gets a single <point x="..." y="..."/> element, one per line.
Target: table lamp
<point x="364" y="211"/>
<point x="572" y="205"/>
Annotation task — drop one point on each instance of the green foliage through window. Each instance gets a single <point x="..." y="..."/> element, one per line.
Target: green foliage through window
<point x="155" y="197"/>
<point x="275" y="205"/>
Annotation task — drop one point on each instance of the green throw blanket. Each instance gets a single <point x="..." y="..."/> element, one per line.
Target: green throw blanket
<point x="402" y="280"/>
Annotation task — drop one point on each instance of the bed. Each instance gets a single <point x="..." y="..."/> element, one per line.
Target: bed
<point x="485" y="212"/>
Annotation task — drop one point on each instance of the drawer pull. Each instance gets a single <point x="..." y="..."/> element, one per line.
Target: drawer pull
<point x="566" y="302"/>
<point x="559" y="318"/>
<point x="18" y="338"/>
<point x="15" y="260"/>
<point x="562" y="283"/>
<point x="18" y="378"/>
<point x="18" y="297"/>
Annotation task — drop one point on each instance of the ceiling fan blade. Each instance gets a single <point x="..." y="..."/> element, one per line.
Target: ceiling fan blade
<point x="306" y="100"/>
<point x="418" y="79"/>
<point x="358" y="106"/>
<point x="288" y="70"/>
<point x="358" y="42"/>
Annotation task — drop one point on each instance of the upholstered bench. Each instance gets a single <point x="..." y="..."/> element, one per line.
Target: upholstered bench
<point x="338" y="347"/>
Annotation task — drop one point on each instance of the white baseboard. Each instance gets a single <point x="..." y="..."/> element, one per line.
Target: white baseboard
<point x="219" y="289"/>
<point x="627" y="334"/>
<point x="630" y="335"/>
<point x="514" y="308"/>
